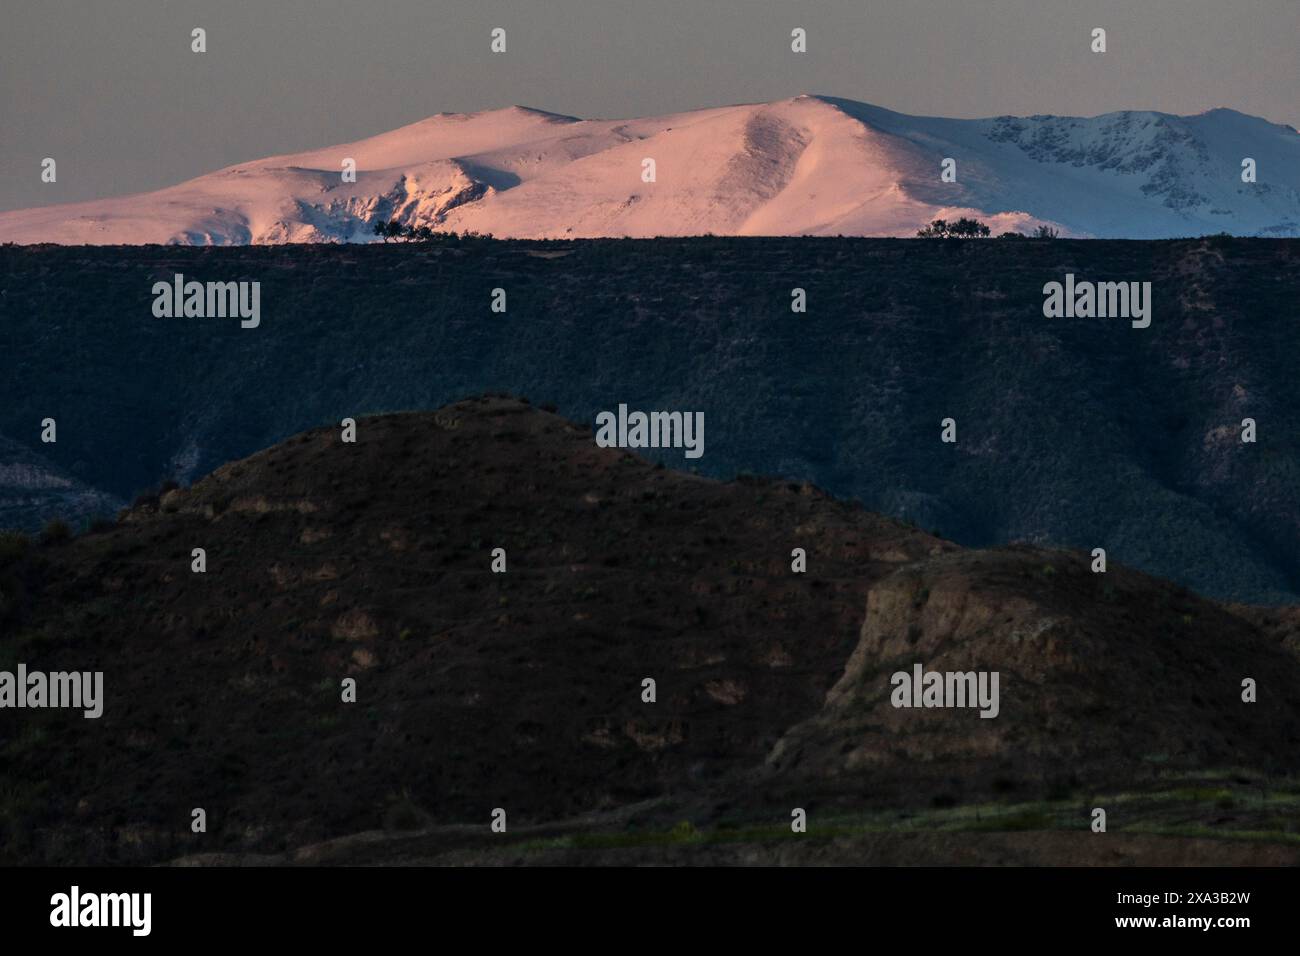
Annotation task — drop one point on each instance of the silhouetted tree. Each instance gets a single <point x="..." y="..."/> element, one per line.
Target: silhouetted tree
<point x="969" y="229"/>
<point x="392" y="229"/>
<point x="1046" y="232"/>
<point x="961" y="229"/>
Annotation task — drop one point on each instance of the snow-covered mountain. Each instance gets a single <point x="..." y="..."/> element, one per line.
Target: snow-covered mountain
<point x="809" y="165"/>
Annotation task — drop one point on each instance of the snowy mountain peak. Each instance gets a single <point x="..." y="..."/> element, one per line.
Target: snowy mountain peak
<point x="811" y="164"/>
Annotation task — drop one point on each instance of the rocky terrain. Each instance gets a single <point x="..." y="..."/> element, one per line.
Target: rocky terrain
<point x="522" y="690"/>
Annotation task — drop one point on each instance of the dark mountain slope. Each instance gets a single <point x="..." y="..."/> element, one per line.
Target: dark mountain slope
<point x="522" y="690"/>
<point x="34" y="491"/>
<point x="1071" y="432"/>
<point x="475" y="689"/>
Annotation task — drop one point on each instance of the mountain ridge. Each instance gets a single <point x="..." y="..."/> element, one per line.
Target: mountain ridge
<point x="807" y="165"/>
<point x="1084" y="433"/>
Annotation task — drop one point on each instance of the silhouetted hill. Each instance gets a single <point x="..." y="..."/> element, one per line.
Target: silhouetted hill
<point x="1071" y="432"/>
<point x="522" y="690"/>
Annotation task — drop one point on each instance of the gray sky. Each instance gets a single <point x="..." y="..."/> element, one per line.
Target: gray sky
<point x="110" y="89"/>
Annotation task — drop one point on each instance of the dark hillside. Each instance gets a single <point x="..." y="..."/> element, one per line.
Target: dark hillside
<point x="1071" y="432"/>
<point x="522" y="689"/>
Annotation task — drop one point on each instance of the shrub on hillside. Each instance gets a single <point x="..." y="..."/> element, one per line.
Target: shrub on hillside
<point x="55" y="531"/>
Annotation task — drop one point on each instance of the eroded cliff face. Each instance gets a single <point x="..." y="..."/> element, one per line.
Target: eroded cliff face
<point x="1106" y="677"/>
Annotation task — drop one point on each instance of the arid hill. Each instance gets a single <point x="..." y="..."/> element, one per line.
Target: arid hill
<point x="523" y="690"/>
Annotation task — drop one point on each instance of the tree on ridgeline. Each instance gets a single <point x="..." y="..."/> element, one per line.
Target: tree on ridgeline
<point x="961" y="229"/>
<point x="392" y="229"/>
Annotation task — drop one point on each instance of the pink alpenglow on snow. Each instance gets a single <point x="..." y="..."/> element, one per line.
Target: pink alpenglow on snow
<point x="810" y="165"/>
